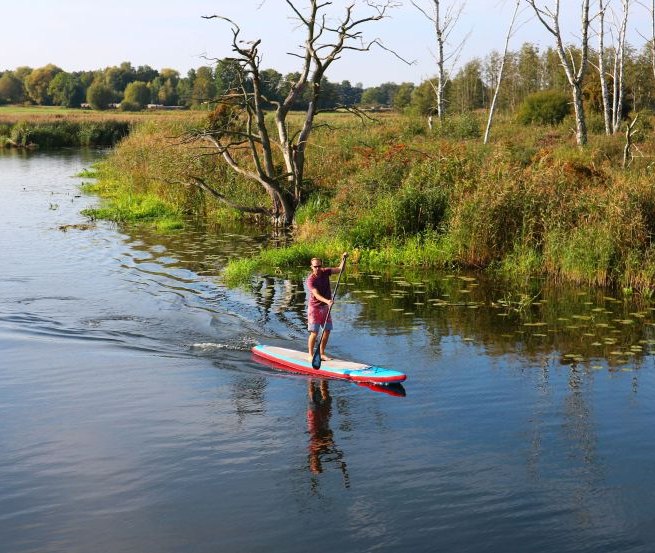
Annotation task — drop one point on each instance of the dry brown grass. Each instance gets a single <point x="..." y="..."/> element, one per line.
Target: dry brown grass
<point x="10" y="115"/>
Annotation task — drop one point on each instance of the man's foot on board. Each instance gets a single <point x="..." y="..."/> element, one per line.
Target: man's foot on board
<point x="325" y="358"/>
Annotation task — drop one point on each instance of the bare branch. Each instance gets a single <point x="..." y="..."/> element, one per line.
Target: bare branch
<point x="200" y="183"/>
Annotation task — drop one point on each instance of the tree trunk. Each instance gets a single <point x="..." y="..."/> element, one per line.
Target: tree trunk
<point x="443" y="26"/>
<point x="575" y="75"/>
<point x="619" y="70"/>
<point x="580" y="120"/>
<point x="492" y="108"/>
<point x="604" y="90"/>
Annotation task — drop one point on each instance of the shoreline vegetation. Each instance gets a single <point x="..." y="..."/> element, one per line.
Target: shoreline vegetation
<point x="396" y="194"/>
<point x="55" y="127"/>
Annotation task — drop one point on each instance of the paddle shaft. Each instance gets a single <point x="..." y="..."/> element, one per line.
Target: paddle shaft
<point x="316" y="360"/>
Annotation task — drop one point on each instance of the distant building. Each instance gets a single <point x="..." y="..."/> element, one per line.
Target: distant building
<point x="163" y="107"/>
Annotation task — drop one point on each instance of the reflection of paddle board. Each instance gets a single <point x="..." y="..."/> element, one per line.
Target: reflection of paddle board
<point x="394" y="389"/>
<point x="296" y="361"/>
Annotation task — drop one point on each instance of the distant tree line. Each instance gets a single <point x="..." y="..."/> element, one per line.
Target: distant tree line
<point x="527" y="71"/>
<point x="134" y="88"/>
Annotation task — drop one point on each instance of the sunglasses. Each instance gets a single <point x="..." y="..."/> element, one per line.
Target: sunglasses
<point x="316" y="266"/>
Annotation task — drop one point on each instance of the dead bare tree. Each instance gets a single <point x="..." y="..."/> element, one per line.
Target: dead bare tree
<point x="444" y="22"/>
<point x="275" y="157"/>
<point x="619" y="70"/>
<point x="629" y="142"/>
<point x="575" y="70"/>
<point x="612" y="106"/>
<point x="492" y="108"/>
<point x="604" y="88"/>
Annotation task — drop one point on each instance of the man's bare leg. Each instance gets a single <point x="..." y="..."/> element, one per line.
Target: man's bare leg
<point x="311" y="344"/>
<point x="324" y="341"/>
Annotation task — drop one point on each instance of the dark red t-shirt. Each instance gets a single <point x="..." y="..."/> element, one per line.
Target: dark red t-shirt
<point x="321" y="282"/>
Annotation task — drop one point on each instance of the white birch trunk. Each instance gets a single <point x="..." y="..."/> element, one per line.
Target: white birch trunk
<point x="604" y="90"/>
<point x="492" y="108"/>
<point x="619" y="69"/>
<point x="574" y="75"/>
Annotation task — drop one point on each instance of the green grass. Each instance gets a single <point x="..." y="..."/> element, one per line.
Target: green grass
<point x="19" y="112"/>
<point x="138" y="209"/>
<point x="239" y="271"/>
<point x="88" y="174"/>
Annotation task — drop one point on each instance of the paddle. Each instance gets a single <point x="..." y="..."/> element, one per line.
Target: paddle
<point x="316" y="360"/>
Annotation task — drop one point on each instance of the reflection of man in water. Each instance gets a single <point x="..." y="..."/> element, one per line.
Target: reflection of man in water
<point x="321" y="437"/>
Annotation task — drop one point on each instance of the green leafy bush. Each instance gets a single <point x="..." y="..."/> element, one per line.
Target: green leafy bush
<point x="460" y="126"/>
<point x="99" y="96"/>
<point x="62" y="134"/>
<point x="549" y="107"/>
<point x="126" y="105"/>
<point x="105" y="133"/>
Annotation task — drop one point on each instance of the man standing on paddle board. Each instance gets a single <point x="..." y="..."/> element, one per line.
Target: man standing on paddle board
<point x="320" y="300"/>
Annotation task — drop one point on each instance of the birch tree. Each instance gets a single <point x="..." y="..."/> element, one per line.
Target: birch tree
<point x="604" y="88"/>
<point x="444" y="17"/>
<point x="492" y="108"/>
<point x="274" y="157"/>
<point x="619" y="70"/>
<point x="575" y="69"/>
<point x="613" y="106"/>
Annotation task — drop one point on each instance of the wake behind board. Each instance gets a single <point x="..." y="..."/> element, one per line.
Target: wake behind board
<point x="296" y="361"/>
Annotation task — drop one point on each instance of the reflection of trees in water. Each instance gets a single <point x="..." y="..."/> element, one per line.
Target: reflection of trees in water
<point x="578" y="452"/>
<point x="322" y="447"/>
<point x="576" y="325"/>
<point x="199" y="249"/>
<point x="248" y="396"/>
<point x="284" y="299"/>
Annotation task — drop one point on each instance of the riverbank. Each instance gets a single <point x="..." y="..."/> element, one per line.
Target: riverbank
<point x="394" y="193"/>
<point x="56" y="127"/>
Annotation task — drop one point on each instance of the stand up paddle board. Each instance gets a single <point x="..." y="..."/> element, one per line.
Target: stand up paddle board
<point x="296" y="361"/>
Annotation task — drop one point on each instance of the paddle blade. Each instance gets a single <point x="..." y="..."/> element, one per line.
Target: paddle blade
<point x="316" y="360"/>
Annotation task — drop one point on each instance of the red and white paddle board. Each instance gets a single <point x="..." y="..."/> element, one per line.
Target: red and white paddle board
<point x="296" y="361"/>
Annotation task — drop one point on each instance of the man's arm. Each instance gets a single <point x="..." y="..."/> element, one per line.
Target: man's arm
<point x="335" y="270"/>
<point x="318" y="296"/>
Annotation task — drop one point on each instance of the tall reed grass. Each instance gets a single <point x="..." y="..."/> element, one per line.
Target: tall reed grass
<point x="530" y="203"/>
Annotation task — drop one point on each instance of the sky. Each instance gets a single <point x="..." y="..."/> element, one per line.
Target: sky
<point x="86" y="34"/>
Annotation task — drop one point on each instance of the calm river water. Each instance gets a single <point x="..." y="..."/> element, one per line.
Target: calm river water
<point x="134" y="419"/>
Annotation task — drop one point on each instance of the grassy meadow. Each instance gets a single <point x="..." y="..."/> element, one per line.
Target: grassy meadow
<point x="394" y="193"/>
<point x="55" y="127"/>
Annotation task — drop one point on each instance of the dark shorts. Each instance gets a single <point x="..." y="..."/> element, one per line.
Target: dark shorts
<point x="315" y="327"/>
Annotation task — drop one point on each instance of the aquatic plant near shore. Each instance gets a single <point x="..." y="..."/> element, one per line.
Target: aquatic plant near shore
<point x="138" y="208"/>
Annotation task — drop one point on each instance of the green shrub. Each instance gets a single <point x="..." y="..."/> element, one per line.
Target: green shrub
<point x="415" y="211"/>
<point x="99" y="96"/>
<point x="312" y="209"/>
<point x="138" y="93"/>
<point x="105" y="133"/>
<point x="60" y="134"/>
<point x="126" y="105"/>
<point x="461" y="126"/>
<point x="595" y="123"/>
<point x="415" y="127"/>
<point x="548" y="107"/>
